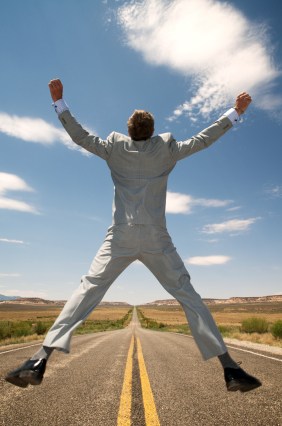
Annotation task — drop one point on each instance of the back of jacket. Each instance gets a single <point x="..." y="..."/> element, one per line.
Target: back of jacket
<point x="140" y="169"/>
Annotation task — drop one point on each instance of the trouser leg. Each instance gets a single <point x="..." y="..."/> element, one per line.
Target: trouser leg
<point x="170" y="271"/>
<point x="105" y="268"/>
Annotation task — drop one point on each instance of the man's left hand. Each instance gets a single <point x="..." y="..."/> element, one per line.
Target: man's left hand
<point x="56" y="89"/>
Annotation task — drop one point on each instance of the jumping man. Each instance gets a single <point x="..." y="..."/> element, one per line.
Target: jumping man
<point x="140" y="164"/>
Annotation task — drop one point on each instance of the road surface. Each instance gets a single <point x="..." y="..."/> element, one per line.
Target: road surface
<point x="142" y="378"/>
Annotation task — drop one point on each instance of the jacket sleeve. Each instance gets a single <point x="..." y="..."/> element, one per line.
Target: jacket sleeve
<point x="204" y="139"/>
<point x="81" y="137"/>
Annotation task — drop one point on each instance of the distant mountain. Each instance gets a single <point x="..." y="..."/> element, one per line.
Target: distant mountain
<point x="258" y="299"/>
<point x="114" y="304"/>
<point x="39" y="301"/>
<point x="2" y="297"/>
<point x="30" y="300"/>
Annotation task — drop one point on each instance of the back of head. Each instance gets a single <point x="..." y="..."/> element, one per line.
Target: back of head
<point x="140" y="125"/>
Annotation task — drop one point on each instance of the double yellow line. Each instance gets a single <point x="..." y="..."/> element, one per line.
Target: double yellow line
<point x="124" y="415"/>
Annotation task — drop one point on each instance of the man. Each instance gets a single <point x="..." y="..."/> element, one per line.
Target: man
<point x="140" y="165"/>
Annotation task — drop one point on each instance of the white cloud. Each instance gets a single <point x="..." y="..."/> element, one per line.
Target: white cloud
<point x="30" y="129"/>
<point x="6" y="240"/>
<point x="183" y="203"/>
<point x="211" y="41"/>
<point x="37" y="130"/>
<point x="11" y="182"/>
<point x="178" y="203"/>
<point x="21" y="206"/>
<point x="208" y="260"/>
<point x="234" y="225"/>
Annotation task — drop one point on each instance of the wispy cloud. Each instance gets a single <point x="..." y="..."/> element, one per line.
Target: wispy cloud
<point x="273" y="191"/>
<point x="184" y="203"/>
<point x="7" y="240"/>
<point x="36" y="130"/>
<point x="208" y="260"/>
<point x="233" y="209"/>
<point x="92" y="218"/>
<point x="11" y="275"/>
<point x="230" y="226"/>
<point x="11" y="182"/>
<point x="26" y="293"/>
<point x="211" y="41"/>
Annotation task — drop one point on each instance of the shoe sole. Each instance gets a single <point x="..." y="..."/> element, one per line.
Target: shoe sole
<point x="25" y="378"/>
<point x="31" y="377"/>
<point x="17" y="381"/>
<point x="248" y="387"/>
<point x="242" y="386"/>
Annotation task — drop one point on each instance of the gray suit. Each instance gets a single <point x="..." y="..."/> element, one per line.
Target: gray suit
<point x="139" y="171"/>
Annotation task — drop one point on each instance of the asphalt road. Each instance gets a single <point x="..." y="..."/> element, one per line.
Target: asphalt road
<point x="86" y="386"/>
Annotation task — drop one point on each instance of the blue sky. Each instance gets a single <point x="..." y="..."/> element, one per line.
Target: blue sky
<point x="183" y="60"/>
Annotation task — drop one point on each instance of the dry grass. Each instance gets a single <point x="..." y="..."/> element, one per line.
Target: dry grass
<point x="170" y="317"/>
<point x="48" y="314"/>
<point x="225" y="315"/>
<point x="265" y="338"/>
<point x="232" y="318"/>
<point x="23" y="339"/>
<point x="109" y="313"/>
<point x="236" y="313"/>
<point x="18" y="312"/>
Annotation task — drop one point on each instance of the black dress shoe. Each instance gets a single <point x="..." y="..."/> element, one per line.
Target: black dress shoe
<point x="238" y="379"/>
<point x="31" y="372"/>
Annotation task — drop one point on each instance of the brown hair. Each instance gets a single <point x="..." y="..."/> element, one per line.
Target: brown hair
<point x="140" y="125"/>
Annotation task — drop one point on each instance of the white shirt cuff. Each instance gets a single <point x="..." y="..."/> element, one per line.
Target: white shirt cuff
<point x="60" y="106"/>
<point x="233" y="115"/>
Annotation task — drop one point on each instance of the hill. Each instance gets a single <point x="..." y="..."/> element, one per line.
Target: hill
<point x="235" y="300"/>
<point x="38" y="301"/>
<point x="2" y="297"/>
<point x="30" y="301"/>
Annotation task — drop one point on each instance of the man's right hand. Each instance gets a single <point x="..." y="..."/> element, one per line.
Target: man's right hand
<point x="56" y="89"/>
<point x="242" y="102"/>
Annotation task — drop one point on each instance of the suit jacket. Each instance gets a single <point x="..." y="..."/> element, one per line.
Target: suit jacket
<point x="140" y="169"/>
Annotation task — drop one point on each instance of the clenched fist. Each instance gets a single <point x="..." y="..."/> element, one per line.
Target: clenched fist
<point x="56" y="89"/>
<point x="242" y="102"/>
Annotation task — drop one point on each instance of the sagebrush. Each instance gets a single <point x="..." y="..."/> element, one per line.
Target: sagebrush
<point x="254" y="325"/>
<point x="276" y="329"/>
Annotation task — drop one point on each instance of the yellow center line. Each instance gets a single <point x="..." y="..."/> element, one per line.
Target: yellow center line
<point x="151" y="415"/>
<point x="124" y="414"/>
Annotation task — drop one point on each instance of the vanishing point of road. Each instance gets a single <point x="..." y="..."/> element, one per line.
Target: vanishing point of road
<point x="139" y="377"/>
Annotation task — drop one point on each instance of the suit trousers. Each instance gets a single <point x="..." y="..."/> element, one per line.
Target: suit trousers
<point x="151" y="245"/>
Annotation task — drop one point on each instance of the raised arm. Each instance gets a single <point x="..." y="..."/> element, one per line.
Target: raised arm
<point x="208" y="136"/>
<point x="78" y="134"/>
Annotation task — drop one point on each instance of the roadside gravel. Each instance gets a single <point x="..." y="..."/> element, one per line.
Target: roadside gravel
<point x="255" y="346"/>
